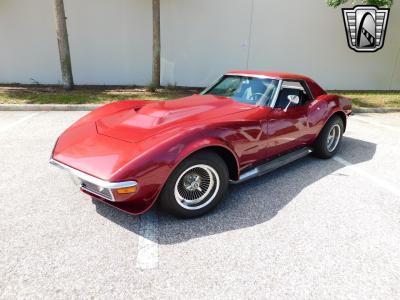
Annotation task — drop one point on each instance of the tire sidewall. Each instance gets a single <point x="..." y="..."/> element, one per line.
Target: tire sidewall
<point x="321" y="146"/>
<point x="168" y="200"/>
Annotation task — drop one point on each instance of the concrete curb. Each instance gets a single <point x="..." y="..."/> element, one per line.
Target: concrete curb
<point x="88" y="107"/>
<point x="364" y="110"/>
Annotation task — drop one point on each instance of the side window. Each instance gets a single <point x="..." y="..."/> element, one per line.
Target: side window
<point x="291" y="88"/>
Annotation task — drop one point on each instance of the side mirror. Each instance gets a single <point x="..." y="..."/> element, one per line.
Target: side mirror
<point x="293" y="99"/>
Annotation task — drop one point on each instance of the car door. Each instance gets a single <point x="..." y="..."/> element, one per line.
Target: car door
<point x="287" y="123"/>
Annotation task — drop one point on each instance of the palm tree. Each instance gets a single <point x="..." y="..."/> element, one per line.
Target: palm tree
<point x="63" y="45"/>
<point x="156" y="44"/>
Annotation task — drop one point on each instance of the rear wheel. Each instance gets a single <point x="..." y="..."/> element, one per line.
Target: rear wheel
<point x="196" y="185"/>
<point x="329" y="139"/>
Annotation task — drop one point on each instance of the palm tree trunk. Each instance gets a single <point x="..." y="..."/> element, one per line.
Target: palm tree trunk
<point x="63" y="45"/>
<point x="156" y="43"/>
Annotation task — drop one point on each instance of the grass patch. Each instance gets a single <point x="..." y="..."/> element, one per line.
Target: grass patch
<point x="32" y="94"/>
<point x="372" y="98"/>
<point x="84" y="95"/>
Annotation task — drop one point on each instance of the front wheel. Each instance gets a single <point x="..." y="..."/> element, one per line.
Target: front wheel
<point x="329" y="139"/>
<point x="195" y="186"/>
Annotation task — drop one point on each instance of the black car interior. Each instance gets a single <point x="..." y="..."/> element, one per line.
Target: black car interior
<point x="283" y="101"/>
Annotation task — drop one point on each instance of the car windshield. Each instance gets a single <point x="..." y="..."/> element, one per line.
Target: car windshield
<point x="245" y="89"/>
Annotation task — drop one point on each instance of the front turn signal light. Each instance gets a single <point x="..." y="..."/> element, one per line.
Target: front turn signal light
<point x="128" y="190"/>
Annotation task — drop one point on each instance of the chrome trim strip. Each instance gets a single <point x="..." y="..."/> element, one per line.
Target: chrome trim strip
<point x="94" y="180"/>
<point x="309" y="90"/>
<point x="262" y="103"/>
<point x="235" y="74"/>
<point x="278" y="91"/>
<point x="250" y="174"/>
<point x="211" y="85"/>
<point x="98" y="194"/>
<point x="273" y="164"/>
<point x="252" y="75"/>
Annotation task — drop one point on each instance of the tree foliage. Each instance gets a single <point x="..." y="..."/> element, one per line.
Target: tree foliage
<point x="378" y="3"/>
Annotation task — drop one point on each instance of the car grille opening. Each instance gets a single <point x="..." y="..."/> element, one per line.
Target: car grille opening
<point x="97" y="190"/>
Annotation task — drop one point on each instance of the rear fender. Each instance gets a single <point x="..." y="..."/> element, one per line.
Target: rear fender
<point x="323" y="108"/>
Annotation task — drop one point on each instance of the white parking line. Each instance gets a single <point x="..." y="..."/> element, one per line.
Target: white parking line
<point x="18" y="122"/>
<point x="363" y="120"/>
<point x="147" y="256"/>
<point x="379" y="182"/>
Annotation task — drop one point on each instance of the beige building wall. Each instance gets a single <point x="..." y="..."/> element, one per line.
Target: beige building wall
<point x="111" y="42"/>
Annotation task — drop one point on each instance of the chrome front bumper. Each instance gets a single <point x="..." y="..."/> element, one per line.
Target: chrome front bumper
<point x="94" y="185"/>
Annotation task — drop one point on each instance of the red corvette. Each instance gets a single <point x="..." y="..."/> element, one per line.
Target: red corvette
<point x="185" y="152"/>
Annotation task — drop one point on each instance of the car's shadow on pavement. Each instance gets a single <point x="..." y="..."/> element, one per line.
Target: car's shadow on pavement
<point x="251" y="203"/>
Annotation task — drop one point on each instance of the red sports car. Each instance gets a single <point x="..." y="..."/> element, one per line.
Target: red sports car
<point x="185" y="152"/>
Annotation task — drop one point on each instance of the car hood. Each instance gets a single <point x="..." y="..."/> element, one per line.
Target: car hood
<point x="136" y="124"/>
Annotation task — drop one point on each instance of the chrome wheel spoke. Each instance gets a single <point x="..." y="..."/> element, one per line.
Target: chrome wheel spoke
<point x="333" y="139"/>
<point x="196" y="187"/>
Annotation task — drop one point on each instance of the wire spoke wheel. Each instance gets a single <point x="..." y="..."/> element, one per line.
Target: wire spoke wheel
<point x="333" y="138"/>
<point x="196" y="187"/>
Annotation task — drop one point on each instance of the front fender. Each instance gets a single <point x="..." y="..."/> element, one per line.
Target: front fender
<point x="202" y="144"/>
<point x="160" y="156"/>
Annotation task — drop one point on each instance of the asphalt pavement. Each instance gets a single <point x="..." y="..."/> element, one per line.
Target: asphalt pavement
<point x="316" y="229"/>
